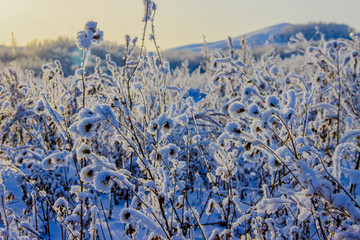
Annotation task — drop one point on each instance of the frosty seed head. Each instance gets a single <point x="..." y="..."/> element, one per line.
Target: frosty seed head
<point x="125" y="215"/>
<point x="87" y="174"/>
<point x="86" y="113"/>
<point x="60" y="161"/>
<point x="253" y="111"/>
<point x="91" y="34"/>
<point x="215" y="235"/>
<point x="103" y="181"/>
<point x="79" y="72"/>
<point x="75" y="189"/>
<point x="88" y="127"/>
<point x="98" y="37"/>
<point x="58" y="158"/>
<point x="355" y="54"/>
<point x="129" y="229"/>
<point x="83" y="150"/>
<point x="289" y="114"/>
<point x="48" y="164"/>
<point x="161" y="198"/>
<point x="153" y="127"/>
<point x="136" y="203"/>
<point x="61" y="206"/>
<point x="233" y="128"/>
<point x="236" y="110"/>
<point x="83" y="40"/>
<point x="167" y="126"/>
<point x="173" y="150"/>
<point x="91" y="25"/>
<point x="274" y="164"/>
<point x="247" y="146"/>
<point x="273" y="102"/>
<point x="20" y="160"/>
<point x="222" y="138"/>
<point x="30" y="164"/>
<point x="274" y="70"/>
<point x="170" y="151"/>
<point x="40" y="108"/>
<point x="248" y="91"/>
<point x="150" y="7"/>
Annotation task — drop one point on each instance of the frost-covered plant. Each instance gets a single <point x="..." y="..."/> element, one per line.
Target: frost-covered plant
<point x="277" y="133"/>
<point x="268" y="150"/>
<point x="90" y="35"/>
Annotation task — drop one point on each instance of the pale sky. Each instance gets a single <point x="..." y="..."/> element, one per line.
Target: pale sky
<point x="177" y="23"/>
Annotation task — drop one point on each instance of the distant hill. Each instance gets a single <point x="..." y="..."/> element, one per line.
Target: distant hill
<point x="255" y="38"/>
<point x="280" y="33"/>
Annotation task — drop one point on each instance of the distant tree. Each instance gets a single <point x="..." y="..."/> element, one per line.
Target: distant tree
<point x="312" y="30"/>
<point x="13" y="45"/>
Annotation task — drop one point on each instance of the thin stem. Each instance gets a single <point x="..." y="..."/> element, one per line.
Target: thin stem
<point x="197" y="220"/>
<point x="283" y="141"/>
<point x="48" y="206"/>
<point x="140" y="54"/>
<point x="159" y="55"/>
<point x="101" y="227"/>
<point x="84" y="93"/>
<point x="35" y="214"/>
<point x="81" y="201"/>
<point x="291" y="138"/>
<point x="337" y="182"/>
<point x="83" y="76"/>
<point x="106" y="220"/>
<point x="339" y="102"/>
<point x="33" y="232"/>
<point x="5" y="215"/>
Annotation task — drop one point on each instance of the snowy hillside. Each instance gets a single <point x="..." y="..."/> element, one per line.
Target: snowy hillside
<point x="256" y="38"/>
<point x="280" y="33"/>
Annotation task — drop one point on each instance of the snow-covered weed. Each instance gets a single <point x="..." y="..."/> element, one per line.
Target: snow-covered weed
<point x="266" y="152"/>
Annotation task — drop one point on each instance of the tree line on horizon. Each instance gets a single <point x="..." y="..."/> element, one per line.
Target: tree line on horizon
<point x="36" y="53"/>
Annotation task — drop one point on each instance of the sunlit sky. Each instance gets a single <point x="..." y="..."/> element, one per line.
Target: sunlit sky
<point x="177" y="23"/>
